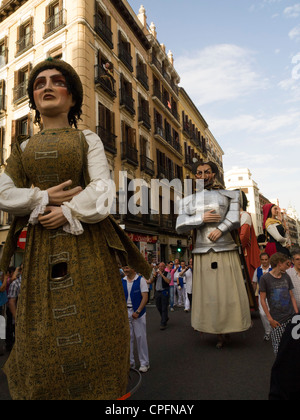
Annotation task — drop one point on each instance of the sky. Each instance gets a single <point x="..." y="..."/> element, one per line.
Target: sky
<point x="239" y="61"/>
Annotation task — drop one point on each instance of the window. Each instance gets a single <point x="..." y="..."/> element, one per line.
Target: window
<point x="104" y="74"/>
<point x="103" y="25"/>
<point x="144" y="116"/>
<point x="25" y="36"/>
<point x="20" y="84"/>
<point x="21" y="127"/>
<point x="125" y="52"/>
<point x="55" y="16"/>
<point x="56" y="53"/>
<point x="3" y="52"/>
<point x="129" y="151"/>
<point x="2" y="96"/>
<point x="141" y="72"/>
<point x="2" y="143"/>
<point x="106" y="128"/>
<point x="126" y="98"/>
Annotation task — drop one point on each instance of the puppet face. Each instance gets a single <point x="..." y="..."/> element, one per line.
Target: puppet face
<point x="205" y="172"/>
<point x="51" y="95"/>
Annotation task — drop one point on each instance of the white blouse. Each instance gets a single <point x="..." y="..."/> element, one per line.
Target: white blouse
<point x="87" y="207"/>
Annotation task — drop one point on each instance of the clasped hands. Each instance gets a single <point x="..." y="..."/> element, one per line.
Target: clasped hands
<point x="53" y="217"/>
<point x="213" y="217"/>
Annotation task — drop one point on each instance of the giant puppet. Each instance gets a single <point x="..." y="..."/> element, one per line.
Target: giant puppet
<point x="220" y="301"/>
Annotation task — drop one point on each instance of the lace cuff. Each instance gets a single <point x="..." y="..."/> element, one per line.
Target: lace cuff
<point x="73" y="226"/>
<point x="40" y="209"/>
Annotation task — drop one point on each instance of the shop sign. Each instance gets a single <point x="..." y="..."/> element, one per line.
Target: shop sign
<point x="135" y="237"/>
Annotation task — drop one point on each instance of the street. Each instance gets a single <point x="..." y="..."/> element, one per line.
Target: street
<point x="185" y="366"/>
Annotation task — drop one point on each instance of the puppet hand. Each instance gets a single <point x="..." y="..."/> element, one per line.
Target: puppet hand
<point x="58" y="194"/>
<point x="215" y="235"/>
<point x="53" y="219"/>
<point x="211" y="217"/>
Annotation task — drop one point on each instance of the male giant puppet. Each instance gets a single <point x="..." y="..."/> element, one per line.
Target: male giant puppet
<point x="220" y="301"/>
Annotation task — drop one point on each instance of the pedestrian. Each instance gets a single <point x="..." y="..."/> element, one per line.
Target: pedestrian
<point x="276" y="287"/>
<point x="3" y="301"/>
<point x="176" y="265"/>
<point x="187" y="274"/>
<point x="162" y="280"/>
<point x="220" y="301"/>
<point x="169" y="269"/>
<point x="10" y="327"/>
<point x="72" y="332"/>
<point x="275" y="231"/>
<point x="264" y="268"/>
<point x="14" y="292"/>
<point x="136" y="295"/>
<point x="248" y="237"/>
<point x="294" y="273"/>
<point x="179" y="280"/>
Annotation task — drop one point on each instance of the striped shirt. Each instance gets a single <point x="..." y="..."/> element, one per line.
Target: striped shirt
<point x="14" y="288"/>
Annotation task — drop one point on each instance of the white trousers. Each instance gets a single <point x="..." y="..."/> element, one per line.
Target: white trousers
<point x="187" y="305"/>
<point x="181" y="295"/>
<point x="138" y="331"/>
<point x="263" y="317"/>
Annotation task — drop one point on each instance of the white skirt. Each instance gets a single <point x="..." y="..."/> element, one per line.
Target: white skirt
<point x="220" y="300"/>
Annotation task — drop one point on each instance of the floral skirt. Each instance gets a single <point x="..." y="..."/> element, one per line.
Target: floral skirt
<point x="72" y="332"/>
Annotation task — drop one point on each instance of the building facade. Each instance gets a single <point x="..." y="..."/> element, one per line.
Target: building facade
<point x="149" y="126"/>
<point x="241" y="178"/>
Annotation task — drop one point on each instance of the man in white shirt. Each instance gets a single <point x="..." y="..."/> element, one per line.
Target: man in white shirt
<point x="136" y="295"/>
<point x="294" y="273"/>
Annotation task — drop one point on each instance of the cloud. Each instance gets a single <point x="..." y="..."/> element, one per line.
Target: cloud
<point x="292" y="11"/>
<point x="294" y="34"/>
<point x="256" y="125"/>
<point x="223" y="72"/>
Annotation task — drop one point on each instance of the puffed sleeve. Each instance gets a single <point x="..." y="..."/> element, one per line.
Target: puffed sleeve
<point x="273" y="231"/>
<point x="91" y="205"/>
<point x="13" y="199"/>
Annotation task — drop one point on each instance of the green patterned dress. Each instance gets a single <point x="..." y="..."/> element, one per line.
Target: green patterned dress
<point x="72" y="332"/>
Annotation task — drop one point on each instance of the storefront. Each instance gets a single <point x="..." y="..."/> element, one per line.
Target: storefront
<point x="147" y="244"/>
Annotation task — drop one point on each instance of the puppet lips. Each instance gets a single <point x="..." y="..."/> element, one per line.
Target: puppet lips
<point x="48" y="96"/>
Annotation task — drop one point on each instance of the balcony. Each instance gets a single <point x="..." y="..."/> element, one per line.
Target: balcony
<point x="188" y="161"/>
<point x="105" y="80"/>
<point x="165" y="173"/>
<point x="147" y="165"/>
<point x="20" y="93"/>
<point x="3" y="57"/>
<point x="108" y="139"/>
<point x="127" y="101"/>
<point x="156" y="63"/>
<point x="3" y="156"/>
<point x="124" y="56"/>
<point x="144" y="117"/>
<point x="142" y="77"/>
<point x="129" y="153"/>
<point x="55" y="22"/>
<point x="3" y="101"/>
<point x="103" y="31"/>
<point x="25" y="42"/>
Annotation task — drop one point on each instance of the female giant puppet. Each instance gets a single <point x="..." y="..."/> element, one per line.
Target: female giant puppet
<point x="72" y="333"/>
<point x="220" y="301"/>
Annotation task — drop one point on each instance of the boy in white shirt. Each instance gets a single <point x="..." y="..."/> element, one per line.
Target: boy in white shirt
<point x="136" y="294"/>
